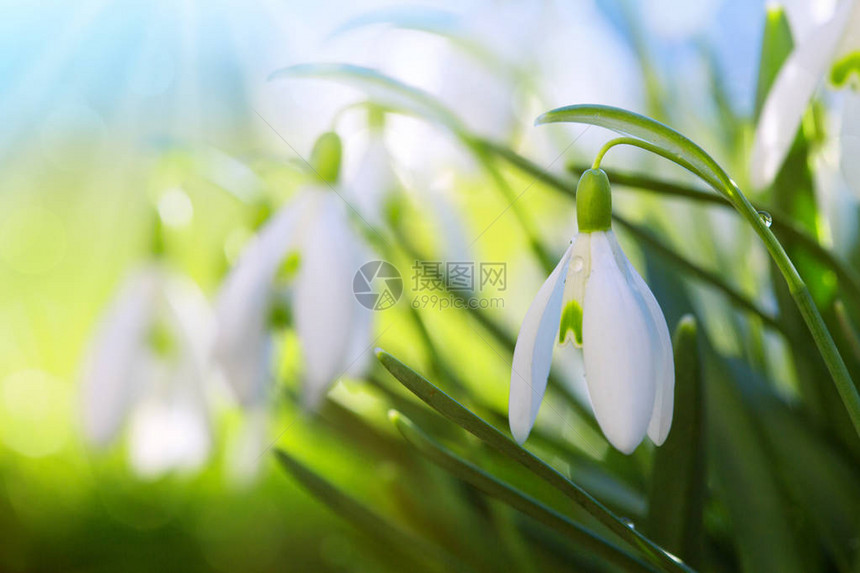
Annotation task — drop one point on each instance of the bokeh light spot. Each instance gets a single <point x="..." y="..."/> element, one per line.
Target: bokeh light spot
<point x="34" y="413"/>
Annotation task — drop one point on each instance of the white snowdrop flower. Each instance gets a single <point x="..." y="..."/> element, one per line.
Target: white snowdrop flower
<point x="595" y="299"/>
<point x="147" y="371"/>
<point x="373" y="180"/>
<point x="334" y="330"/>
<point x="832" y="49"/>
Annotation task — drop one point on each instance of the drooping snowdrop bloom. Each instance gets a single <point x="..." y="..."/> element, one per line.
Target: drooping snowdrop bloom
<point x="334" y="330"/>
<point x="372" y="179"/>
<point x="833" y="46"/>
<point x="596" y="300"/>
<point x="147" y="372"/>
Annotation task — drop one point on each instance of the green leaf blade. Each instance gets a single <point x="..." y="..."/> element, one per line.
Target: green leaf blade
<point x="678" y="479"/>
<point x="366" y="519"/>
<point x="513" y="497"/>
<point x="456" y="412"/>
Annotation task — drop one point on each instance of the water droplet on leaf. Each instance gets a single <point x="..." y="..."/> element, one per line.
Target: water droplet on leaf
<point x="765" y="218"/>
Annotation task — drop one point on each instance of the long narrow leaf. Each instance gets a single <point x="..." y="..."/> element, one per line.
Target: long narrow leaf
<point x="678" y="479"/>
<point x="760" y="522"/>
<point x="366" y="519"/>
<point x="455" y="412"/>
<point x="516" y="499"/>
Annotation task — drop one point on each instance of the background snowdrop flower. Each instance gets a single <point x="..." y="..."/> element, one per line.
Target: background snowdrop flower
<point x="147" y="370"/>
<point x="596" y="299"/>
<point x="333" y="328"/>
<point x="836" y="42"/>
<point x="372" y="179"/>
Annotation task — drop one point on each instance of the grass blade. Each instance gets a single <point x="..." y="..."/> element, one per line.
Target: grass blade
<point x="761" y="527"/>
<point x="516" y="499"/>
<point x="678" y="478"/>
<point x="366" y="519"/>
<point x="455" y="412"/>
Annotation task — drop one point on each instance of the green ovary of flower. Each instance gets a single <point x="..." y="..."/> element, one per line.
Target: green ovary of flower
<point x="844" y="68"/>
<point x="593" y="202"/>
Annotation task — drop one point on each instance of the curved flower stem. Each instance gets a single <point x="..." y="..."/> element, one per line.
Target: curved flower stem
<point x="702" y="274"/>
<point x="782" y="225"/>
<point x="796" y="286"/>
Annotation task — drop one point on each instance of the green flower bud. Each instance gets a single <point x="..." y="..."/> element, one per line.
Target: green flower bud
<point x="593" y="202"/>
<point x="845" y="68"/>
<point x="325" y="156"/>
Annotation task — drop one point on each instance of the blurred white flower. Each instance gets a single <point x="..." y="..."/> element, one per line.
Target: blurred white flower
<point x="333" y="328"/>
<point x="374" y="179"/>
<point x="807" y="15"/>
<point x="147" y="370"/>
<point x="596" y="299"/>
<point x="837" y="203"/>
<point x="827" y="44"/>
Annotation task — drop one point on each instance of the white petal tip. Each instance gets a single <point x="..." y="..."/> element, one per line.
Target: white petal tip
<point x="520" y="434"/>
<point x="658" y="435"/>
<point x="626" y="445"/>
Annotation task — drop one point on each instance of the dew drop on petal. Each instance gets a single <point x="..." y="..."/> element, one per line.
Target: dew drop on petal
<point x="576" y="264"/>
<point x="765" y="218"/>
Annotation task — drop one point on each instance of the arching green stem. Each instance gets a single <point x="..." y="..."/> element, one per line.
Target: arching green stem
<point x="708" y="170"/>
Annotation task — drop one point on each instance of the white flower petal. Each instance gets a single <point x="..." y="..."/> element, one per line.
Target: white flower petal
<point x="805" y="16"/>
<point x="170" y="428"/>
<point x="242" y="345"/>
<point x="168" y="436"/>
<point x="574" y="290"/>
<point x="619" y="365"/>
<point x="789" y="96"/>
<point x="374" y="181"/>
<point x="661" y="348"/>
<point x="851" y="31"/>
<point x="850" y="141"/>
<point x="325" y="307"/>
<point x="115" y="368"/>
<point x="533" y="352"/>
<point x="246" y="448"/>
<point x="360" y="355"/>
<point x="191" y="319"/>
<point x="360" y="352"/>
